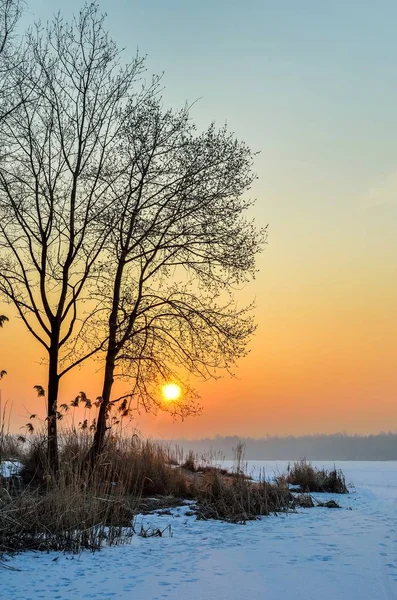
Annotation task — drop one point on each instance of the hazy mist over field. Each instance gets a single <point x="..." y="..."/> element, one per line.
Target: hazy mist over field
<point x="382" y="446"/>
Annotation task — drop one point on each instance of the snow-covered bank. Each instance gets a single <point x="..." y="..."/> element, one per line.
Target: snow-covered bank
<point x="318" y="553"/>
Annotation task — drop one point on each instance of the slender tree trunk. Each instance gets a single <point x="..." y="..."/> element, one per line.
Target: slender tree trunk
<point x="99" y="437"/>
<point x="52" y="399"/>
<point x="111" y="355"/>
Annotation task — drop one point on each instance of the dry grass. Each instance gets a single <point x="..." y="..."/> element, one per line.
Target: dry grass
<point x="78" y="510"/>
<point x="234" y="497"/>
<point x="83" y="508"/>
<point x="237" y="499"/>
<point x="64" y="518"/>
<point x="190" y="463"/>
<point x="311" y="479"/>
<point x="10" y="445"/>
<point x="86" y="508"/>
<point x="137" y="467"/>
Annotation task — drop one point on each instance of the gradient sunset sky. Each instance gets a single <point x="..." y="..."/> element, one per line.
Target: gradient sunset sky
<point x="312" y="85"/>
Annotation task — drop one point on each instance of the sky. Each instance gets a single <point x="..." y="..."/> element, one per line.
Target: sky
<point x="312" y="87"/>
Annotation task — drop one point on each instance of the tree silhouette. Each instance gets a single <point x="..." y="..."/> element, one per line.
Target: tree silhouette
<point x="11" y="54"/>
<point x="123" y="232"/>
<point x="180" y="245"/>
<point x="71" y="96"/>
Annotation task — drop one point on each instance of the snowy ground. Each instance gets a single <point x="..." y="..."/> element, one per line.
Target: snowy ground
<point x="328" y="554"/>
<point x="10" y="468"/>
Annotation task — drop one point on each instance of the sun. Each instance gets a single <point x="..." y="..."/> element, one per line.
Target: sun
<point x="171" y="391"/>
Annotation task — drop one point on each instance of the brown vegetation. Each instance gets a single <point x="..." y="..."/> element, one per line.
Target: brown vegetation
<point x="85" y="507"/>
<point x="311" y="479"/>
<point x="81" y="508"/>
<point x="238" y="499"/>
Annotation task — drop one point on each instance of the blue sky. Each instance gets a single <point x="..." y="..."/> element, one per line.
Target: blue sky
<point x="310" y="84"/>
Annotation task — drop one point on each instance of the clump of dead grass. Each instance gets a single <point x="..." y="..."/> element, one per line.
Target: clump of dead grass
<point x="189" y="463"/>
<point x="64" y="517"/>
<point x="237" y="498"/>
<point x="312" y="479"/>
<point x="83" y="507"/>
<point x="233" y="496"/>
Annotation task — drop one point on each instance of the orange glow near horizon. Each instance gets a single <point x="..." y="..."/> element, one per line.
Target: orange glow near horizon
<point x="322" y="361"/>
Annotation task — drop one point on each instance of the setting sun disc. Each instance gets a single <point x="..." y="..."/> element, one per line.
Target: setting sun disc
<point x="171" y="391"/>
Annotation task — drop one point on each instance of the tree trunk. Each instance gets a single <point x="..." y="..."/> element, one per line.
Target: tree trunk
<point x="111" y="355"/>
<point x="52" y="399"/>
<point x="99" y="437"/>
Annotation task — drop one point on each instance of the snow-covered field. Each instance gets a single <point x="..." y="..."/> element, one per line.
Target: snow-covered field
<point x="328" y="554"/>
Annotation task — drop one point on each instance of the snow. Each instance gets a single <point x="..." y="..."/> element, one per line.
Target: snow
<point x="10" y="468"/>
<point x="317" y="553"/>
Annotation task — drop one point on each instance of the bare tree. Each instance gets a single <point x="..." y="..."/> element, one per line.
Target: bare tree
<point x="180" y="246"/>
<point x="122" y="231"/>
<point x="10" y="53"/>
<point x="10" y="12"/>
<point x="56" y="176"/>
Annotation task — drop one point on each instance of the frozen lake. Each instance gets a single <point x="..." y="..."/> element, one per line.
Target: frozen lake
<point x="346" y="554"/>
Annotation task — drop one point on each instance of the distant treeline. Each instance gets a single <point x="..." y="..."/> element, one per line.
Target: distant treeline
<point x="382" y="446"/>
